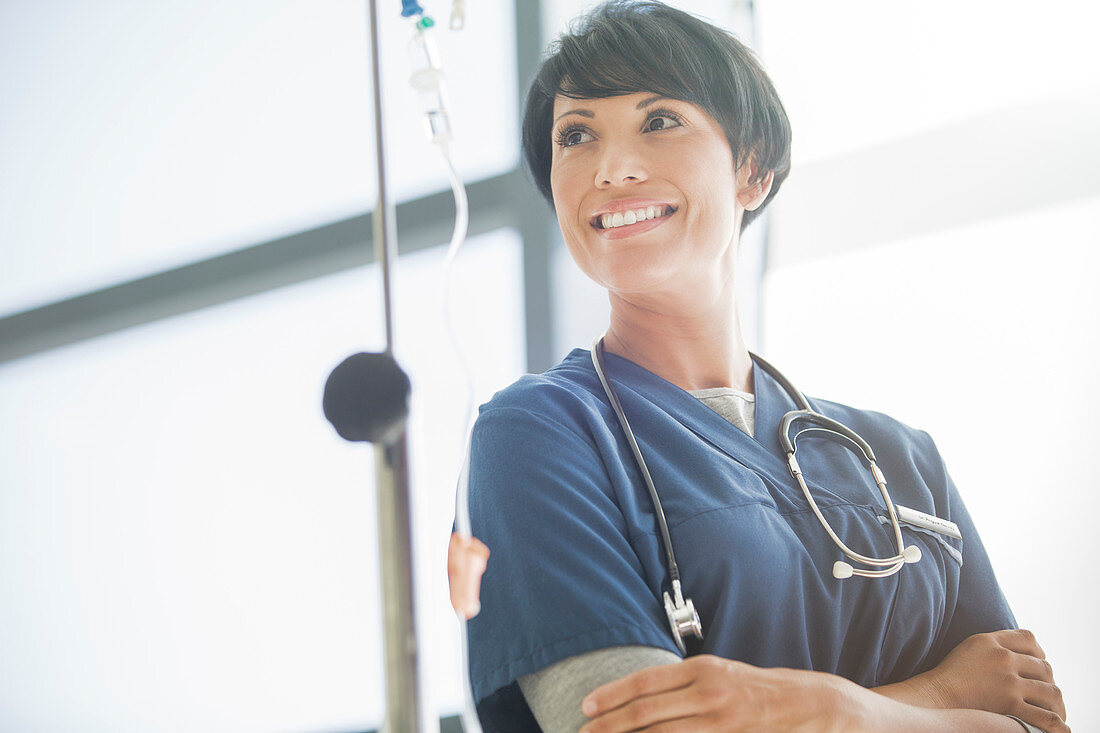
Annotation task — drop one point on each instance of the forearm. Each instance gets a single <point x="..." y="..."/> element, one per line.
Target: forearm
<point x="921" y="690"/>
<point x="885" y="709"/>
<point x="925" y="690"/>
<point x="916" y="719"/>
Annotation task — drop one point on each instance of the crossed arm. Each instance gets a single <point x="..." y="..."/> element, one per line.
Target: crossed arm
<point x="709" y="693"/>
<point x="984" y="679"/>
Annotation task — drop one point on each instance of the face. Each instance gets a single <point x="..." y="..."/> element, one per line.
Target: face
<point x="618" y="158"/>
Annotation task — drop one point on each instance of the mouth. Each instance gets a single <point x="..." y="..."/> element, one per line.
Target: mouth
<point x="631" y="217"/>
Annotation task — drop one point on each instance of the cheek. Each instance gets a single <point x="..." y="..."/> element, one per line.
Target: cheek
<point x="718" y="186"/>
<point x="567" y="195"/>
<point x="561" y="183"/>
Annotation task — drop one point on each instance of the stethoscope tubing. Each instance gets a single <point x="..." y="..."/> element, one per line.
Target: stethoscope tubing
<point x="617" y="408"/>
<point x="888" y="565"/>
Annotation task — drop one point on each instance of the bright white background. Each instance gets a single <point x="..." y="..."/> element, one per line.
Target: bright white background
<point x="187" y="545"/>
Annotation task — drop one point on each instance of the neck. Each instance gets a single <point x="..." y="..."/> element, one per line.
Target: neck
<point x="691" y="342"/>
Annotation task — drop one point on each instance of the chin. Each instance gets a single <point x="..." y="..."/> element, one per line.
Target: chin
<point x="632" y="275"/>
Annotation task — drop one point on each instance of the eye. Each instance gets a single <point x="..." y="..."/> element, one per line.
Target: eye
<point x="662" y="119"/>
<point x="571" y="136"/>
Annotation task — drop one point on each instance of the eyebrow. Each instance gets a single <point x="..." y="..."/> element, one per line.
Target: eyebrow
<point x="590" y="114"/>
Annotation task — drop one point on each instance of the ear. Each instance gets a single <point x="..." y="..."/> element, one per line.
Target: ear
<point x="752" y="196"/>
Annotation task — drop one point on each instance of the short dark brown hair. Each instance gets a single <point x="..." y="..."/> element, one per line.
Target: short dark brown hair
<point x="629" y="46"/>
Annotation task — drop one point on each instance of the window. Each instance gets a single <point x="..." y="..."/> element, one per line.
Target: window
<point x="190" y="546"/>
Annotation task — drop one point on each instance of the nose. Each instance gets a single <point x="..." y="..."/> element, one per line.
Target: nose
<point x="619" y="165"/>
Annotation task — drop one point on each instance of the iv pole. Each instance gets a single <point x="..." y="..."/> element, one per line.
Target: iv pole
<point x="367" y="395"/>
<point x="367" y="400"/>
<point x="391" y="470"/>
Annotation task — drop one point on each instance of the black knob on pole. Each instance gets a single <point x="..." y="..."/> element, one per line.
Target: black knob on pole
<point x="367" y="398"/>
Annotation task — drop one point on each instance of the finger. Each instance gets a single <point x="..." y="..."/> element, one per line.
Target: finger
<point x="685" y="725"/>
<point x="454" y="555"/>
<point x="1021" y="641"/>
<point x="462" y="546"/>
<point x="476" y="547"/>
<point x="461" y="541"/>
<point x="452" y="588"/>
<point x="467" y="600"/>
<point x="1041" y="718"/>
<point x="642" y="712"/>
<point x="1045" y="695"/>
<point x="461" y="601"/>
<point x="649" y="681"/>
<point x="1033" y="668"/>
<point x="454" y="574"/>
<point x="466" y="562"/>
<point x="473" y="587"/>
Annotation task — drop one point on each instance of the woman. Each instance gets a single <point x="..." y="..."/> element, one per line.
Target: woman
<point x="657" y="138"/>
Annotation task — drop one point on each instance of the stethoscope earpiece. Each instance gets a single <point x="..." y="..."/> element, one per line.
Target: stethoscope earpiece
<point x="842" y="570"/>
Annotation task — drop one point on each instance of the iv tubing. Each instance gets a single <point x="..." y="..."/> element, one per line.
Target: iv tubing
<point x="470" y="721"/>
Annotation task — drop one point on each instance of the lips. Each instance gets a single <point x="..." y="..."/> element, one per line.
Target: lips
<point x="632" y="216"/>
<point x="622" y="206"/>
<point x="632" y="230"/>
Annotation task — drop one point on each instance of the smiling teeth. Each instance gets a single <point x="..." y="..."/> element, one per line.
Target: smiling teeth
<point x="633" y="216"/>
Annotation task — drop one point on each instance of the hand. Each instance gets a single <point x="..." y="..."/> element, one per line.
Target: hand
<point x="466" y="561"/>
<point x="708" y="693"/>
<point x="1003" y="672"/>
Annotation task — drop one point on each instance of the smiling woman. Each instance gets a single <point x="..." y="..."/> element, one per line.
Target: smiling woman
<point x="657" y="138"/>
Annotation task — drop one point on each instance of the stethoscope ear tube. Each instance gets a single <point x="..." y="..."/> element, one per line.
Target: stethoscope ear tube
<point x="834" y="430"/>
<point x="828" y="424"/>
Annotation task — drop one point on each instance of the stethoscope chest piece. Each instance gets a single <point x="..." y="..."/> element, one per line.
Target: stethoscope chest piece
<point x="683" y="619"/>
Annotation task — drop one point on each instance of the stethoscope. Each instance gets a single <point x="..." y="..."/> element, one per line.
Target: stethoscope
<point x="682" y="616"/>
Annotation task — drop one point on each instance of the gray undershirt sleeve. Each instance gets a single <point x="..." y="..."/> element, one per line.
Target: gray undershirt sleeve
<point x="554" y="693"/>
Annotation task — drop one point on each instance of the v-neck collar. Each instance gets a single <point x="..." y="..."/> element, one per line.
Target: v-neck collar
<point x="772" y="403"/>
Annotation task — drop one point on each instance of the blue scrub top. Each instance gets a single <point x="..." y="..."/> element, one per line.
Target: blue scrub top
<point x="577" y="563"/>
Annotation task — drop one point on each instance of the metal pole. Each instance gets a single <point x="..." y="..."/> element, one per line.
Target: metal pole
<point x="395" y="558"/>
<point x="385" y="215"/>
<point x="391" y="469"/>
